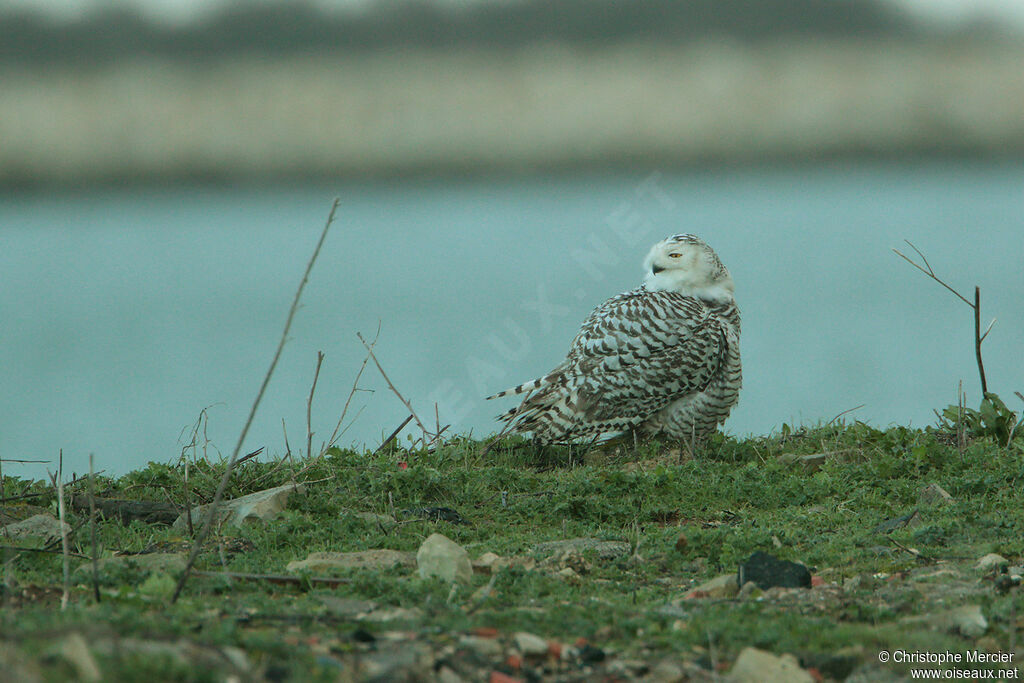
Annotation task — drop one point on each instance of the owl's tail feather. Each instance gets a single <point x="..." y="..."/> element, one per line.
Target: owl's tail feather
<point x="532" y="385"/>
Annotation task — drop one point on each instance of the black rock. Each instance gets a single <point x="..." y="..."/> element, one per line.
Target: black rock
<point x="590" y="654"/>
<point x="768" y="571"/>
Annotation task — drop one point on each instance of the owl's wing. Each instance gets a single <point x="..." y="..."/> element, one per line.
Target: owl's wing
<point x="641" y="350"/>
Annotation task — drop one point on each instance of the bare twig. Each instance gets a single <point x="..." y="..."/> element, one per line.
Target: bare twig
<point x="976" y="306"/>
<point x="845" y="412"/>
<point x="211" y="514"/>
<point x="309" y="405"/>
<point x="929" y="272"/>
<point x="24" y="461"/>
<point x="63" y="535"/>
<point x="249" y="456"/>
<point x="188" y="505"/>
<point x="391" y="438"/>
<point x="978" y="338"/>
<point x="92" y="526"/>
<point x="912" y="551"/>
<point x="373" y="356"/>
<point x="355" y="387"/>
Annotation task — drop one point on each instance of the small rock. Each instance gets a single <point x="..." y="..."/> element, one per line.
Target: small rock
<point x="260" y="506"/>
<point x="382" y="558"/>
<point x="485" y="647"/>
<point x="933" y="494"/>
<point x="530" y="645"/>
<point x="447" y="675"/>
<point x="394" y="614"/>
<point x="810" y="463"/>
<point x="441" y="557"/>
<point x="768" y="571"/>
<point x="756" y="666"/>
<point x="991" y="561"/>
<point x="724" y="586"/>
<point x="44" y="526"/>
<point x="1015" y="572"/>
<point x="666" y="672"/>
<point x="487" y="563"/>
<point x="605" y="550"/>
<point x="346" y="608"/>
<point x="969" y="621"/>
<point x="749" y="590"/>
<point x="591" y="654"/>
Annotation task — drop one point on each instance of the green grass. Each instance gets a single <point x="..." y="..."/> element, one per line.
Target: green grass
<point x="737" y="498"/>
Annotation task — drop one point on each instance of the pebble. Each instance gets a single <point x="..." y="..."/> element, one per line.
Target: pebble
<point x="529" y="644"/>
<point x="441" y="557"/>
<point x="969" y="620"/>
<point x="768" y="571"/>
<point x="991" y="561"/>
<point x="486" y="647"/>
<point x="757" y="666"/>
<point x="724" y="586"/>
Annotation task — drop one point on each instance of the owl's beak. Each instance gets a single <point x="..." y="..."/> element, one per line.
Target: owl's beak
<point x="655" y="269"/>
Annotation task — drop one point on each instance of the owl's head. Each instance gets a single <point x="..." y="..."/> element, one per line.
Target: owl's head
<point x="687" y="265"/>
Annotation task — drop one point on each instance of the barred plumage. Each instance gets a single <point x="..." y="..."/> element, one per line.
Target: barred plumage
<point x="662" y="358"/>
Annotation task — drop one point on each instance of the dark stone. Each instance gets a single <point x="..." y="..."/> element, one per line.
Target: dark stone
<point x="361" y="635"/>
<point x="590" y="654"/>
<point x="768" y="571"/>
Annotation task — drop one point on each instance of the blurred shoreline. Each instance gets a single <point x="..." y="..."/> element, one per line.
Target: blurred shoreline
<point x="434" y="112"/>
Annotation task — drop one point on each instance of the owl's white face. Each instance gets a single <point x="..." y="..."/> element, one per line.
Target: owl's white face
<point x="686" y="265"/>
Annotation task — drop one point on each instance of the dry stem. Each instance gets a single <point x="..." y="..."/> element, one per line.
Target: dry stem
<point x="978" y="336"/>
<point x="426" y="432"/>
<point x="309" y="405"/>
<point x="211" y="514"/>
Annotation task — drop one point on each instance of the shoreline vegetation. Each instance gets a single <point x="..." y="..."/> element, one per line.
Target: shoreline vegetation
<point x="409" y="111"/>
<point x="565" y="564"/>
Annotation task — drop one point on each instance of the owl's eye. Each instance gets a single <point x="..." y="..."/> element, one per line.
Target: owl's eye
<point x="674" y="254"/>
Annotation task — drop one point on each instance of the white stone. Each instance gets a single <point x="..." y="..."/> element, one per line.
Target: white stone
<point x="969" y="620"/>
<point x="260" y="506"/>
<point x="44" y="526"/>
<point x="382" y="558"/>
<point x="530" y="645"/>
<point x="445" y="559"/>
<point x="991" y="561"/>
<point x="757" y="666"/>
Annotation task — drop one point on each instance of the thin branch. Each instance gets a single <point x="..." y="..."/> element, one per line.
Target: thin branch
<point x="63" y="534"/>
<point x="976" y="306"/>
<point x="978" y="339"/>
<point x="845" y="412"/>
<point x="92" y="526"/>
<point x="391" y="438"/>
<point x="355" y="384"/>
<point x="309" y="405"/>
<point x="391" y="386"/>
<point x="929" y="272"/>
<point x="211" y="514"/>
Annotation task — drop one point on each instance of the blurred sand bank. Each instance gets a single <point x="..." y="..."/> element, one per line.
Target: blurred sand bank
<point x="544" y="107"/>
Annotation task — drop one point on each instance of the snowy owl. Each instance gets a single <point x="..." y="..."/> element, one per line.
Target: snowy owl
<point x="662" y="358"/>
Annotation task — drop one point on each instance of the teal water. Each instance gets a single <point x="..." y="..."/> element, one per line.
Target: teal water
<point x="123" y="313"/>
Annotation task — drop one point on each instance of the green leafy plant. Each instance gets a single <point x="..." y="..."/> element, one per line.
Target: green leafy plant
<point x="992" y="419"/>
